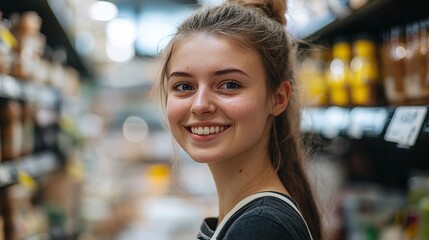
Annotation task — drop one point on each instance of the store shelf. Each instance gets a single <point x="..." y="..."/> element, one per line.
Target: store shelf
<point x="42" y="96"/>
<point x="368" y="122"/>
<point x="55" y="33"/>
<point x="34" y="166"/>
<point x="374" y="17"/>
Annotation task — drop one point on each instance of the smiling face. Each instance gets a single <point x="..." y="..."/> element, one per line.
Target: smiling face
<point x="217" y="103"/>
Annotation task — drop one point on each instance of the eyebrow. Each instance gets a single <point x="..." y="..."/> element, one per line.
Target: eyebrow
<point x="179" y="74"/>
<point x="216" y="73"/>
<point x="230" y="70"/>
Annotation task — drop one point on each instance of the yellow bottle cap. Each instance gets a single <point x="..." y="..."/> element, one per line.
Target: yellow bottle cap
<point x="364" y="48"/>
<point x="341" y="50"/>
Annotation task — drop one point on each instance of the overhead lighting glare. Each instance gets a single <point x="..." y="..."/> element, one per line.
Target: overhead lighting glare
<point x="135" y="129"/>
<point x="121" y="32"/>
<point x="120" y="54"/>
<point x="103" y="11"/>
<point x="210" y="2"/>
<point x="155" y="29"/>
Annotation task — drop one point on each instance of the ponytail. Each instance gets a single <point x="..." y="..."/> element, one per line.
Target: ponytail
<point x="287" y="156"/>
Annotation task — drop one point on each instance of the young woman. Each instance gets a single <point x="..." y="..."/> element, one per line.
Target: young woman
<point x="231" y="102"/>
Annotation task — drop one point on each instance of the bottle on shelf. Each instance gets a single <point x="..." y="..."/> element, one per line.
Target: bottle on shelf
<point x="11" y="129"/>
<point x="339" y="73"/>
<point x="424" y="50"/>
<point x="393" y="58"/>
<point x="31" y="43"/>
<point x="423" y="60"/>
<point x="365" y="84"/>
<point x="313" y="77"/>
<point x="27" y="121"/>
<point x="7" y="45"/>
<point x="415" y="89"/>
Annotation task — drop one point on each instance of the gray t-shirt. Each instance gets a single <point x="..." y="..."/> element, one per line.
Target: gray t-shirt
<point x="266" y="217"/>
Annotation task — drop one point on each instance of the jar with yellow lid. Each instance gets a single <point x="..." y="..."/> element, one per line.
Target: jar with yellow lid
<point x="365" y="81"/>
<point x="339" y="73"/>
<point x="313" y="77"/>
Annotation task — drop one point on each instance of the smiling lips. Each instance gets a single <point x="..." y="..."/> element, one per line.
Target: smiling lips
<point x="208" y="130"/>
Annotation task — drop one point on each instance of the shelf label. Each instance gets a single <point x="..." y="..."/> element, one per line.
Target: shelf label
<point x="367" y="121"/>
<point x="312" y="120"/>
<point x="335" y="122"/>
<point x="405" y="125"/>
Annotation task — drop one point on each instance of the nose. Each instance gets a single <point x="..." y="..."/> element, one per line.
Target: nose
<point x="203" y="102"/>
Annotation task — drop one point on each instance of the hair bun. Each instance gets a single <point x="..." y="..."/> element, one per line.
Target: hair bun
<point x="275" y="9"/>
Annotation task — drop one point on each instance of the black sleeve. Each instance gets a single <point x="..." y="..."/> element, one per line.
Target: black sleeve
<point x="258" y="227"/>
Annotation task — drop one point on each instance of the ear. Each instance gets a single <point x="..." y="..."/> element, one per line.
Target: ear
<point x="281" y="98"/>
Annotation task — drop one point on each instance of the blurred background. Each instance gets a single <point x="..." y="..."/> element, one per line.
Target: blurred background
<point x="84" y="154"/>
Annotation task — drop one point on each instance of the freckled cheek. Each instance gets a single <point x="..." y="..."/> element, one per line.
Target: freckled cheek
<point x="244" y="112"/>
<point x="176" y="110"/>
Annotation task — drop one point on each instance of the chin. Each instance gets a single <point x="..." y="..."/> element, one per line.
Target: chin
<point x="203" y="158"/>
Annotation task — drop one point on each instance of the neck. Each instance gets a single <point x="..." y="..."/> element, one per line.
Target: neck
<point x="243" y="178"/>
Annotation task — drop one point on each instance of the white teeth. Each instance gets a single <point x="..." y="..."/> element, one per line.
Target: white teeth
<point x="200" y="131"/>
<point x="207" y="130"/>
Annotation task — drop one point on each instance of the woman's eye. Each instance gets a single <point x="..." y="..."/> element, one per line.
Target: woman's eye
<point x="183" y="87"/>
<point x="230" y="85"/>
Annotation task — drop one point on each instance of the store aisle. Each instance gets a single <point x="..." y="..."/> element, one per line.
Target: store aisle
<point x="84" y="154"/>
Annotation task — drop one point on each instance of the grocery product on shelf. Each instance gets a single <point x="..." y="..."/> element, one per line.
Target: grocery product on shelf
<point x="365" y="72"/>
<point x="312" y="74"/>
<point x="33" y="82"/>
<point x="365" y="83"/>
<point x="31" y="43"/>
<point x="339" y="73"/>
<point x="27" y="121"/>
<point x="393" y="57"/>
<point x="405" y="63"/>
<point x="399" y="206"/>
<point x="11" y="129"/>
<point x="7" y="45"/>
<point x="424" y="52"/>
<point x="416" y="89"/>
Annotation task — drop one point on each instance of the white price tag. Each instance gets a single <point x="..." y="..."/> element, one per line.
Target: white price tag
<point x="336" y="120"/>
<point x="312" y="120"/>
<point x="405" y="125"/>
<point x="367" y="120"/>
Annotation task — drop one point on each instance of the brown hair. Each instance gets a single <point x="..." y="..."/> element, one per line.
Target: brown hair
<point x="250" y="24"/>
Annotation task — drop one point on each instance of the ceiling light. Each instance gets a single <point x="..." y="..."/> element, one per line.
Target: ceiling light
<point x="103" y="11"/>
<point x="156" y="27"/>
<point x="121" y="32"/>
<point x="120" y="53"/>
